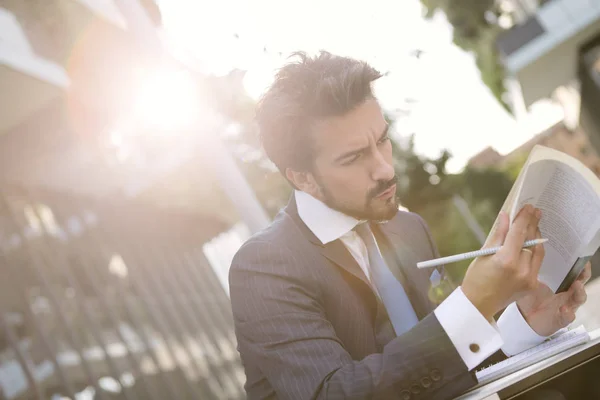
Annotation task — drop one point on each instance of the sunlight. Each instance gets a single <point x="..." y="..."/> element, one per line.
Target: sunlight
<point x="166" y="100"/>
<point x="259" y="37"/>
<point x="256" y="82"/>
<point x="117" y="266"/>
<point x="261" y="73"/>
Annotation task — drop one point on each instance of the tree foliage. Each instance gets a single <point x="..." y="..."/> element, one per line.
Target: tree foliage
<point x="475" y="31"/>
<point x="427" y="189"/>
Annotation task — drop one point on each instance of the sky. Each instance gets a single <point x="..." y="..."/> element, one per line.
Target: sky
<point x="453" y="110"/>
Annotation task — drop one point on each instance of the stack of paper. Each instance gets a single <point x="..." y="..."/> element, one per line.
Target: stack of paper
<point x="552" y="346"/>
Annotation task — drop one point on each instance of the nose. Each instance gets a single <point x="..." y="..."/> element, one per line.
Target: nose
<point x="383" y="170"/>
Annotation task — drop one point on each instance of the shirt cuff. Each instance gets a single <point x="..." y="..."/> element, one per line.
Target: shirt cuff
<point x="474" y="337"/>
<point x="518" y="336"/>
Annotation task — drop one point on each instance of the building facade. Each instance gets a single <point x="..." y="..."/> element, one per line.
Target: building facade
<point x="106" y="289"/>
<point x="574" y="142"/>
<point x="551" y="49"/>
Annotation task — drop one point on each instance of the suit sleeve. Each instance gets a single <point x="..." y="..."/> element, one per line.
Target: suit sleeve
<point x="282" y="328"/>
<point x="516" y="334"/>
<point x="491" y="357"/>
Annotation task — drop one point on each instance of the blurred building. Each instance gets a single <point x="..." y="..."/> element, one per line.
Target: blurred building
<point x="105" y="281"/>
<point x="71" y="67"/>
<point x="570" y="141"/>
<point x="551" y="49"/>
<point x="487" y="158"/>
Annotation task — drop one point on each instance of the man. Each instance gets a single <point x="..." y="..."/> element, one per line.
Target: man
<point x="328" y="302"/>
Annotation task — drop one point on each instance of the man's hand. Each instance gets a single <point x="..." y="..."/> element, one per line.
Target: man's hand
<point x="547" y="312"/>
<point x="492" y="283"/>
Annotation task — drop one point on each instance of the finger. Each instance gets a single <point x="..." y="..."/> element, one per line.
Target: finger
<point x="499" y="231"/>
<point x="568" y="306"/>
<point x="563" y="299"/>
<point x="578" y="294"/>
<point x="566" y="316"/>
<point x="526" y="257"/>
<point x="538" y="254"/>
<point x="533" y="225"/>
<point x="517" y="233"/>
<point x="586" y="274"/>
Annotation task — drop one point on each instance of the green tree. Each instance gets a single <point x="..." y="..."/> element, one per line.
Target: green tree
<point x="427" y="189"/>
<point x="489" y="184"/>
<point x="475" y="31"/>
<point x="422" y="180"/>
<point x="513" y="166"/>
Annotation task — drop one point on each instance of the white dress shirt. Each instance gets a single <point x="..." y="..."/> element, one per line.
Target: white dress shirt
<point x="459" y="318"/>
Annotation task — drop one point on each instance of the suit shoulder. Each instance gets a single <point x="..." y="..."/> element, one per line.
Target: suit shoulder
<point x="277" y="233"/>
<point x="271" y="257"/>
<point x="404" y="217"/>
<point x="271" y="245"/>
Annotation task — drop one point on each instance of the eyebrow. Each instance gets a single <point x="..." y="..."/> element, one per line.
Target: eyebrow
<point x="363" y="149"/>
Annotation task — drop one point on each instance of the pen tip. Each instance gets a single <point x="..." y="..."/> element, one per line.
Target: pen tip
<point x="543" y="241"/>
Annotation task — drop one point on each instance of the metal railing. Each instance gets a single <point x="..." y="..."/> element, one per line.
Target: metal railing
<point x="110" y="300"/>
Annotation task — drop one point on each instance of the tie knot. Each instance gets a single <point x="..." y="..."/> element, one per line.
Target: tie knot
<point x="361" y="226"/>
<point x="364" y="231"/>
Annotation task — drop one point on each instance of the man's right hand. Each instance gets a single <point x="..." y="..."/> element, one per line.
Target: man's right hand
<point x="493" y="282"/>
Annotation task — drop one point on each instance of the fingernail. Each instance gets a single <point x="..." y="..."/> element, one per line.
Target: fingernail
<point x="538" y="213"/>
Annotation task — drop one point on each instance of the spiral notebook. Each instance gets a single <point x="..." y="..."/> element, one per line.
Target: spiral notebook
<point x="557" y="343"/>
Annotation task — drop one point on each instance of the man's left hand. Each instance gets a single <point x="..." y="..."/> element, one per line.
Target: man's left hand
<point x="547" y="312"/>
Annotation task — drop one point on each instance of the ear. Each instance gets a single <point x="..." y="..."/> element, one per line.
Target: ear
<point x="304" y="181"/>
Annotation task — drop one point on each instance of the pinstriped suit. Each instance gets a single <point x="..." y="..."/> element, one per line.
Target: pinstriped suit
<point x="309" y="325"/>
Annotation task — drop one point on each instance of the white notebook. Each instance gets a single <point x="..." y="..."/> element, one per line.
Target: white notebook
<point x="554" y="345"/>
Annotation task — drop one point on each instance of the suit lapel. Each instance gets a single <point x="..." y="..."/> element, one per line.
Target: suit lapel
<point x="338" y="254"/>
<point x="398" y="251"/>
<point x="334" y="251"/>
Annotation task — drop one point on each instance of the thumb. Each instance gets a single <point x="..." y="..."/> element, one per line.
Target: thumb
<point x="499" y="231"/>
<point x="566" y="316"/>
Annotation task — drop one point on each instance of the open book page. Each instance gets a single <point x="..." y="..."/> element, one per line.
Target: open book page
<point x="554" y="345"/>
<point x="570" y="202"/>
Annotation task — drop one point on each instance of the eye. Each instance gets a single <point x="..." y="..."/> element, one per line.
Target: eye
<point x="384" y="139"/>
<point x="352" y="159"/>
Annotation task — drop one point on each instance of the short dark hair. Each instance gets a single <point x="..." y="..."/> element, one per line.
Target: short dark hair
<point x="303" y="93"/>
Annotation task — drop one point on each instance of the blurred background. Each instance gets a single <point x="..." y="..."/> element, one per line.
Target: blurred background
<point x="130" y="170"/>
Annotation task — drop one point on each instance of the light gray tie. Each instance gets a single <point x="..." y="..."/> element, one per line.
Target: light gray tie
<point x="391" y="292"/>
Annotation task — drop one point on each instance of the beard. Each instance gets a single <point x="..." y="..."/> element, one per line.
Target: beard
<point x="370" y="211"/>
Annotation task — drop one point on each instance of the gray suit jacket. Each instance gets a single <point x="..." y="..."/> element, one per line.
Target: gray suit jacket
<point x="309" y="326"/>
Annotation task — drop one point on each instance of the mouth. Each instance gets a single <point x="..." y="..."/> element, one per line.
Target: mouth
<point x="386" y="194"/>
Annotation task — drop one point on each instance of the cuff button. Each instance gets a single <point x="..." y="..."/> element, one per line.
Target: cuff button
<point x="425" y="382"/>
<point x="415" y="389"/>
<point x="474" y="347"/>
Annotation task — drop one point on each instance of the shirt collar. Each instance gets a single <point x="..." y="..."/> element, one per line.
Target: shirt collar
<point x="324" y="222"/>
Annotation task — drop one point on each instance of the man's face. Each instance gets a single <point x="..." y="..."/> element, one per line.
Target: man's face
<point x="353" y="167"/>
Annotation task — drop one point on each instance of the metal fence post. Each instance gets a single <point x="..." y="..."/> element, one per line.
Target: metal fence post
<point x="67" y="328"/>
